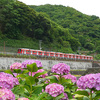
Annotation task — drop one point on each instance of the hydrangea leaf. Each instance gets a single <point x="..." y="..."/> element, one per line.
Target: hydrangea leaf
<point x="37" y="90"/>
<point x="25" y="71"/>
<point x="59" y="97"/>
<point x="84" y="93"/>
<point x="17" y="70"/>
<point x="30" y="80"/>
<point x="8" y="71"/>
<point x="32" y="67"/>
<point x="40" y="73"/>
<point x="53" y="79"/>
<point x="21" y="76"/>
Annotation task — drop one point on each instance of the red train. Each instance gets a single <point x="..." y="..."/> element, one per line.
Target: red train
<point x="53" y="54"/>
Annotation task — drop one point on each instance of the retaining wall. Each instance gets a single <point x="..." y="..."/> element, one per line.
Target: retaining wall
<point x="6" y="62"/>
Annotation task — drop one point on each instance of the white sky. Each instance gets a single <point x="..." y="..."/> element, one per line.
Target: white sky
<point x="89" y="7"/>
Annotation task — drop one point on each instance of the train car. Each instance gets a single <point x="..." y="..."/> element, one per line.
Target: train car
<point x="53" y="54"/>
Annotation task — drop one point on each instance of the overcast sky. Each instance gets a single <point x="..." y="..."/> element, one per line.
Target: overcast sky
<point x="89" y="7"/>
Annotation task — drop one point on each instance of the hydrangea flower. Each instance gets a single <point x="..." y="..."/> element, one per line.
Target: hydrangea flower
<point x="40" y="70"/>
<point x="38" y="63"/>
<point x="69" y="76"/>
<point x="23" y="98"/>
<point x="54" y="89"/>
<point x="89" y="81"/>
<point x="16" y="66"/>
<point x="6" y="94"/>
<point x="7" y="81"/>
<point x="60" y="68"/>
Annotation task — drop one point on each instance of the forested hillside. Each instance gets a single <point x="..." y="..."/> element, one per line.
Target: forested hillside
<point x="83" y="27"/>
<point x="60" y="28"/>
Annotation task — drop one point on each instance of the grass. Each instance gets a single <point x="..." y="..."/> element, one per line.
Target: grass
<point x="78" y="70"/>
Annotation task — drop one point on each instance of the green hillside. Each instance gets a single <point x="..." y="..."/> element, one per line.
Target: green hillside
<point x="61" y="29"/>
<point x="83" y="27"/>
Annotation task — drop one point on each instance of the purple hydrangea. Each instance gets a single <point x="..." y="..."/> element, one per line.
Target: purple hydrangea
<point x="89" y="81"/>
<point x="54" y="89"/>
<point x="40" y="70"/>
<point x="16" y="66"/>
<point x="38" y="63"/>
<point x="7" y="81"/>
<point x="6" y="94"/>
<point x="60" y="68"/>
<point x="69" y="76"/>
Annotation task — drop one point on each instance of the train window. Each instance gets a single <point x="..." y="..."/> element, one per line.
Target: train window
<point x="27" y="51"/>
<point x="34" y="51"/>
<point x="19" y="50"/>
<point x="40" y="52"/>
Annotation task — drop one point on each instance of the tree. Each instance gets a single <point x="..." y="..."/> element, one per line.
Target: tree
<point x="89" y="46"/>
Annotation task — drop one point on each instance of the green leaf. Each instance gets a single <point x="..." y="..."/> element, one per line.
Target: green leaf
<point x="53" y="79"/>
<point x="17" y="70"/>
<point x="41" y="96"/>
<point x="30" y="80"/>
<point x="27" y="88"/>
<point x="8" y="71"/>
<point x="25" y="71"/>
<point x="67" y="90"/>
<point x="32" y="67"/>
<point x="86" y="98"/>
<point x="21" y="76"/>
<point x="63" y="81"/>
<point x="84" y="93"/>
<point x="40" y="67"/>
<point x="97" y="96"/>
<point x="37" y="89"/>
<point x="59" y="97"/>
<point x="40" y="73"/>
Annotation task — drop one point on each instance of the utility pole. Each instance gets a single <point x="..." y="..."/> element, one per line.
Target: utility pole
<point x="4" y="46"/>
<point x="40" y="41"/>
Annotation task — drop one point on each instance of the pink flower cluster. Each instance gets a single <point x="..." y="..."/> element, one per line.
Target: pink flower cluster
<point x="60" y="68"/>
<point x="7" y="81"/>
<point x="40" y="70"/>
<point x="23" y="98"/>
<point x="89" y="81"/>
<point x="54" y="89"/>
<point x="69" y="76"/>
<point x="16" y="66"/>
<point x="38" y="63"/>
<point x="6" y="94"/>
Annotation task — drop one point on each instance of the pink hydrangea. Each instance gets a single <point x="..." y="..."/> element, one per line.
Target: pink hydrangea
<point x="89" y="81"/>
<point x="23" y="98"/>
<point x="54" y="89"/>
<point x="16" y="66"/>
<point x="6" y="94"/>
<point x="38" y="63"/>
<point x="66" y="97"/>
<point x="40" y="70"/>
<point x="60" y="68"/>
<point x="69" y="76"/>
<point x="7" y="81"/>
